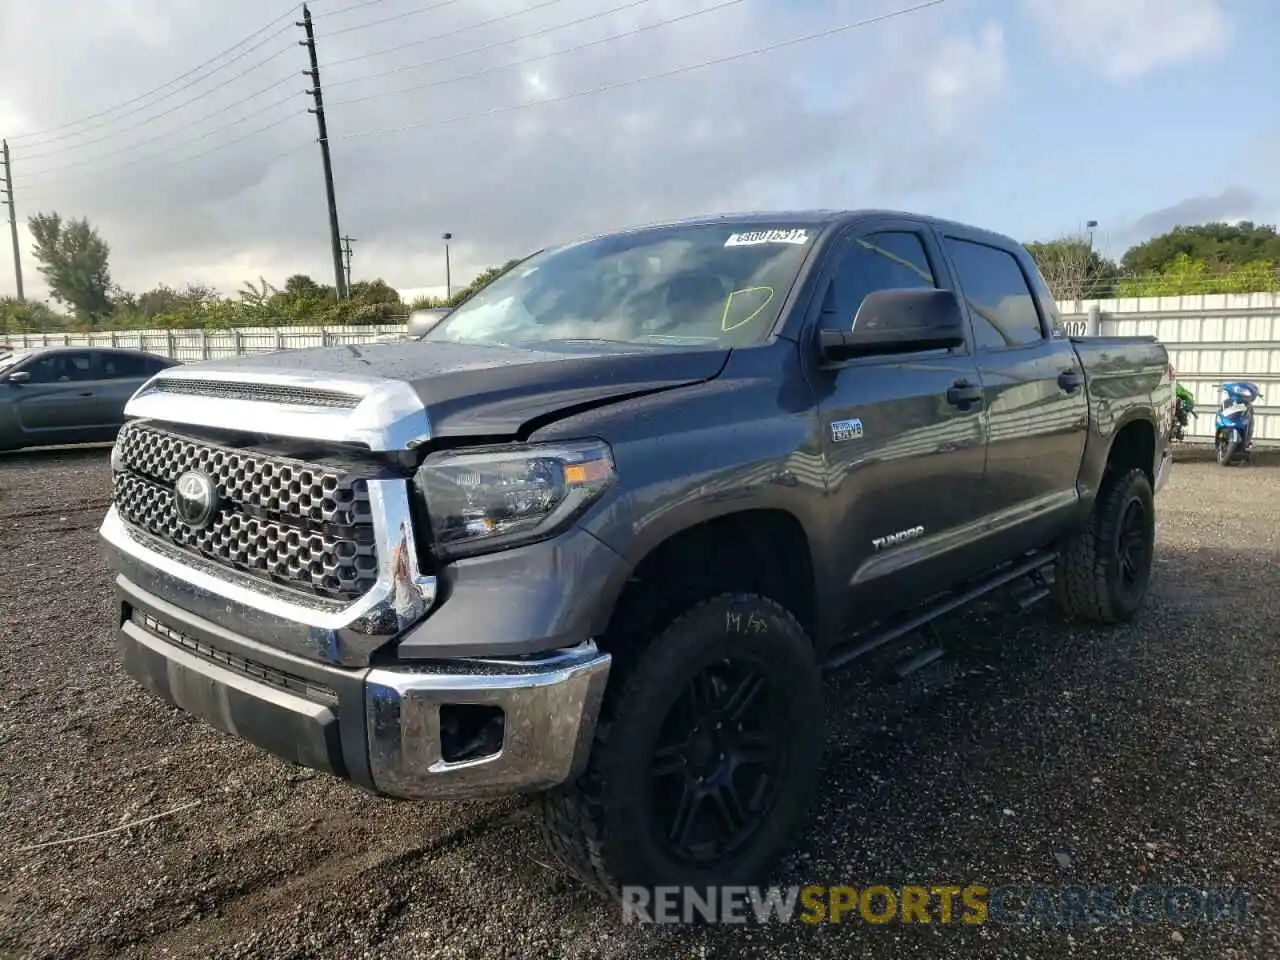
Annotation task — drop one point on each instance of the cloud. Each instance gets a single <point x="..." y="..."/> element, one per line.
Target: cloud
<point x="867" y="117"/>
<point x="1229" y="206"/>
<point x="1127" y="38"/>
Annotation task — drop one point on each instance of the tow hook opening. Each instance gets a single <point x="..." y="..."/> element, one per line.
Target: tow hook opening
<point x="470" y="731"/>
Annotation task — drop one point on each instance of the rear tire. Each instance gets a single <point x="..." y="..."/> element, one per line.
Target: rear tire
<point x="1103" y="572"/>
<point x="705" y="758"/>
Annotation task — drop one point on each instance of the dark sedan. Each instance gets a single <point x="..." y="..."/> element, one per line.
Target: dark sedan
<point x="56" y="395"/>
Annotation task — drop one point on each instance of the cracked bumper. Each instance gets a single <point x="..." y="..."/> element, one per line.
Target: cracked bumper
<point x="380" y="727"/>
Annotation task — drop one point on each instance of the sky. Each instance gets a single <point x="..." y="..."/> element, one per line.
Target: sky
<point x="180" y="128"/>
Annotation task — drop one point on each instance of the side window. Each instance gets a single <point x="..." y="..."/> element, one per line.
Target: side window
<point x="61" y="368"/>
<point x="893" y="260"/>
<point x="125" y="366"/>
<point x="1004" y="311"/>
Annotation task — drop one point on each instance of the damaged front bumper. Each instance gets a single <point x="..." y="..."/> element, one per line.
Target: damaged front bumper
<point x="427" y="730"/>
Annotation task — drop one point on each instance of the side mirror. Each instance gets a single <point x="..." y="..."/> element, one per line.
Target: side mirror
<point x="18" y="377"/>
<point x="422" y="321"/>
<point x="898" y="321"/>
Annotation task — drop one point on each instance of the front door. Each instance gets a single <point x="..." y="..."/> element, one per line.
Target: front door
<point x="57" y="401"/>
<point x="1036" y="404"/>
<point x="904" y="437"/>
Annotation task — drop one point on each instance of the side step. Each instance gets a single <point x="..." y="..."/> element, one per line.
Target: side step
<point x="913" y="620"/>
<point x="917" y="661"/>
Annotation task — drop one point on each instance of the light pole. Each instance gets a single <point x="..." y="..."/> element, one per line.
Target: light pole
<point x="448" y="280"/>
<point x="1090" y="227"/>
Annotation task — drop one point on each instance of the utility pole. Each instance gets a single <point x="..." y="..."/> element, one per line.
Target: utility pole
<point x="448" y="280"/>
<point x="318" y="110"/>
<point x="346" y="249"/>
<point x="7" y="180"/>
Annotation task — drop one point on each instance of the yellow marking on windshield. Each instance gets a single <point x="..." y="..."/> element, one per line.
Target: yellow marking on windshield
<point x="725" y="326"/>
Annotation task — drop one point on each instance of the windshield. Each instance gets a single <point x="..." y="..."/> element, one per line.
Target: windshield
<point x="8" y="360"/>
<point x="715" y="285"/>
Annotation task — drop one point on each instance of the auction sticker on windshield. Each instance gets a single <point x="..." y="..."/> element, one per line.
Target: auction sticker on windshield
<point x="757" y="237"/>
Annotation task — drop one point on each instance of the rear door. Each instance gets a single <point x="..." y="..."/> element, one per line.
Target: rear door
<point x="904" y="451"/>
<point x="121" y="374"/>
<point x="1033" y="385"/>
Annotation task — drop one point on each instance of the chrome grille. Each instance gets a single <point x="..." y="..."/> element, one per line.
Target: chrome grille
<point x="304" y="526"/>
<point x="260" y="392"/>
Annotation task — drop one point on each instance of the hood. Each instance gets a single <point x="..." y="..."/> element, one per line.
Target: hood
<point x="466" y="389"/>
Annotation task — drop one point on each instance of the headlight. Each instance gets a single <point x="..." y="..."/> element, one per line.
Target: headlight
<point x="481" y="500"/>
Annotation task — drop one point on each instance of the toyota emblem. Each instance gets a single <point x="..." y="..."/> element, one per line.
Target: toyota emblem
<point x="195" y="499"/>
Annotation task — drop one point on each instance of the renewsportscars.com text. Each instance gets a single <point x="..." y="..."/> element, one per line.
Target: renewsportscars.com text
<point x="969" y="904"/>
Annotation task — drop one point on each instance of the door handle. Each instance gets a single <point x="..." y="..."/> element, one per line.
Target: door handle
<point x="1070" y="381"/>
<point x="964" y="394"/>
<point x="87" y="393"/>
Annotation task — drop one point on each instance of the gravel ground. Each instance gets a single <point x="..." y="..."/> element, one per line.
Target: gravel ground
<point x="1040" y="753"/>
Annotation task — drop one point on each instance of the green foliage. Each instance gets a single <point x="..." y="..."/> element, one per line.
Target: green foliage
<point x="479" y="283"/>
<point x="1073" y="269"/>
<point x="1184" y="275"/>
<point x="73" y="260"/>
<point x="28" y="316"/>
<point x="1220" y="245"/>
<point x="1209" y="258"/>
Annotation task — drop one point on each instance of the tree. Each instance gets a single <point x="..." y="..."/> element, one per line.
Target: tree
<point x="480" y="282"/>
<point x="73" y="260"/>
<point x="28" y="316"/>
<point x="1073" y="269"/>
<point x="1183" y="276"/>
<point x="1218" y="245"/>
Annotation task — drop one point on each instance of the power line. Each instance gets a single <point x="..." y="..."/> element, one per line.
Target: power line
<point x="93" y="161"/>
<point x="542" y="56"/>
<point x="354" y="6"/>
<point x="183" y="143"/>
<point x="146" y="121"/>
<point x="399" y="16"/>
<point x="475" y="26"/>
<point x="147" y="94"/>
<point x="634" y="81"/>
<point x="167" y="161"/>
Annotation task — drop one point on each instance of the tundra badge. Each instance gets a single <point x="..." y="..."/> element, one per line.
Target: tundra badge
<point x="842" y="430"/>
<point x="893" y="539"/>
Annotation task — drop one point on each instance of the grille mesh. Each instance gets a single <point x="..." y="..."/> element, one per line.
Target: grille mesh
<point x="301" y="525"/>
<point x="260" y="392"/>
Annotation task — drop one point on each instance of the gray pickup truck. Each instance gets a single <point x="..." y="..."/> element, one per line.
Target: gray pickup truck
<point x="598" y="534"/>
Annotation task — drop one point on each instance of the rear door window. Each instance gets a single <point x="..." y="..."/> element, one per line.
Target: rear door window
<point x="1000" y="301"/>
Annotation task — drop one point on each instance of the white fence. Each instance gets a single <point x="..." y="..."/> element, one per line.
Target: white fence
<point x="192" y="345"/>
<point x="1210" y="338"/>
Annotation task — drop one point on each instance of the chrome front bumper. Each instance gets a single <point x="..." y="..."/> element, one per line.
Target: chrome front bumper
<point x="379" y="727"/>
<point x="316" y="628"/>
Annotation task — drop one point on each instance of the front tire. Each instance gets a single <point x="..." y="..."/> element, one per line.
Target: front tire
<point x="1228" y="444"/>
<point x="1103" y="572"/>
<point x="706" y="755"/>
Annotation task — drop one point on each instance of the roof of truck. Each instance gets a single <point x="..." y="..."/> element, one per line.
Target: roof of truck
<point x="823" y="217"/>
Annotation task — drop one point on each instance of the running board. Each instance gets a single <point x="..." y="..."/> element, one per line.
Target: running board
<point x="914" y="620"/>
<point x="905" y="668"/>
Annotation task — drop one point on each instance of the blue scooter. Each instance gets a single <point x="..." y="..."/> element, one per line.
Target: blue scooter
<point x="1233" y="425"/>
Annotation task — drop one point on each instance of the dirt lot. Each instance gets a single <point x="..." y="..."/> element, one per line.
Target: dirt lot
<point x="1047" y="754"/>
